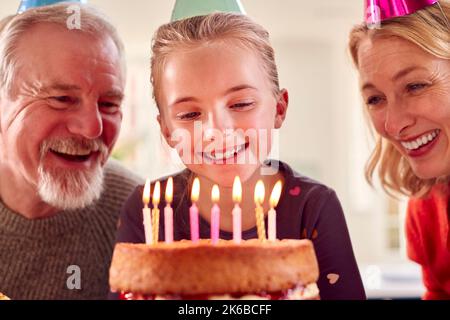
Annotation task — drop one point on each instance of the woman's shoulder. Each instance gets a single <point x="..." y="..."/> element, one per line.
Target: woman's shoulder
<point x="433" y="205"/>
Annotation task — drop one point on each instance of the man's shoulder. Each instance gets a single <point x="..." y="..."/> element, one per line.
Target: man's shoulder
<point x="119" y="179"/>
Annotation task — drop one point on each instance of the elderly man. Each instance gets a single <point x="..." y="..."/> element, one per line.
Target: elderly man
<point x="61" y="91"/>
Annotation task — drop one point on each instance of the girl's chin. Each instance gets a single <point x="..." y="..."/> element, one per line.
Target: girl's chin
<point x="224" y="175"/>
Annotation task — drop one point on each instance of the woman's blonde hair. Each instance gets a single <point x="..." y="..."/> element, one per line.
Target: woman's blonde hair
<point x="202" y="30"/>
<point x="430" y="30"/>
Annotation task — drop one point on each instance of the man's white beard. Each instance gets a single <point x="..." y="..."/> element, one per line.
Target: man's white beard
<point x="70" y="189"/>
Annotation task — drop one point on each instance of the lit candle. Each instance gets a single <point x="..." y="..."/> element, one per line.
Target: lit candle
<point x="215" y="215"/>
<point x="168" y="212"/>
<point x="274" y="199"/>
<point x="146" y="214"/>
<point x="193" y="211"/>
<point x="259" y="200"/>
<point x="155" y="212"/>
<point x="237" y="212"/>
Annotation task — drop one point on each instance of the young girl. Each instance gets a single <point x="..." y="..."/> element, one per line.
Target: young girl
<point x="215" y="82"/>
<point x="404" y="66"/>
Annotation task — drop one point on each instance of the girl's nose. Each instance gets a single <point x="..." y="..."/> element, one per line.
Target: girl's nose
<point x="217" y="123"/>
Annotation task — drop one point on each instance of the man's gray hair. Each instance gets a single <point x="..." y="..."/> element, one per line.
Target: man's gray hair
<point x="91" y="22"/>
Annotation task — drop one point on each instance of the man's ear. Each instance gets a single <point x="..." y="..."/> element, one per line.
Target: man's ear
<point x="165" y="131"/>
<point x="282" y="106"/>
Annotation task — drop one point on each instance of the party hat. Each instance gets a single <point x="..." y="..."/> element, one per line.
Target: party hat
<point x="190" y="8"/>
<point x="28" y="4"/>
<point x="381" y="10"/>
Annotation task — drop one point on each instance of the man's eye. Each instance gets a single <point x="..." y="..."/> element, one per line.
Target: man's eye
<point x="413" y="87"/>
<point x="188" y="116"/>
<point x="64" y="99"/>
<point x="109" y="107"/>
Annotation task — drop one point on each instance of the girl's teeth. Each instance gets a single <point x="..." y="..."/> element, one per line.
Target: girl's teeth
<point x="225" y="156"/>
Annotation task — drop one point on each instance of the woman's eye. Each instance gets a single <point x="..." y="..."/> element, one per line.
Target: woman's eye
<point x="188" y="116"/>
<point x="240" y="106"/>
<point x="415" y="87"/>
<point x="373" y="101"/>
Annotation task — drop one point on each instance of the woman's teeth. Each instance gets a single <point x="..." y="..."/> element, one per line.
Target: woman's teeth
<point x="222" y="156"/>
<point x="421" y="141"/>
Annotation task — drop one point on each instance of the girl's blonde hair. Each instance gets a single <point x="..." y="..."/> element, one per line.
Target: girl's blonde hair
<point x="430" y="30"/>
<point x="202" y="30"/>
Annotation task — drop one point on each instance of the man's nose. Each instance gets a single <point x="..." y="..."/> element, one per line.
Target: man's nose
<point x="397" y="119"/>
<point x="86" y="121"/>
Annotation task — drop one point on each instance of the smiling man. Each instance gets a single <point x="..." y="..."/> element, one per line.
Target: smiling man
<point x="61" y="92"/>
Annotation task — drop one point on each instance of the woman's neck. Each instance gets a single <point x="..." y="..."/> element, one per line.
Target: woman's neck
<point x="226" y="203"/>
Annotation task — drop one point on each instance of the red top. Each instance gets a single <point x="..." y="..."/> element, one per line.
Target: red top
<point x="428" y="240"/>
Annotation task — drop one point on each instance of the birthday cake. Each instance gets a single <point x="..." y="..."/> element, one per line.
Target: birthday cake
<point x="280" y="270"/>
<point x="3" y="297"/>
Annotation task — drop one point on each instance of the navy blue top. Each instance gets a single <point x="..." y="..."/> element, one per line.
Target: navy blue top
<point x="307" y="209"/>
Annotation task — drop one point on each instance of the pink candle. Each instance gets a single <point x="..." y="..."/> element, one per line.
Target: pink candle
<point x="168" y="212"/>
<point x="237" y="224"/>
<point x="237" y="212"/>
<point x="193" y="211"/>
<point x="147" y="215"/>
<point x="215" y="215"/>
<point x="274" y="199"/>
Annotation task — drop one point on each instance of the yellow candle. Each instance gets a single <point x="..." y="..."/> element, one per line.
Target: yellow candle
<point x="259" y="200"/>
<point x="155" y="212"/>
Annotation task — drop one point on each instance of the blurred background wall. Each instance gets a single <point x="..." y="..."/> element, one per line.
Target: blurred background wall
<point x="324" y="137"/>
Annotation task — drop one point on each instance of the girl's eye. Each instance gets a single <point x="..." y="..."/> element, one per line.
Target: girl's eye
<point x="413" y="87"/>
<point x="240" y="106"/>
<point x="188" y="116"/>
<point x="374" y="101"/>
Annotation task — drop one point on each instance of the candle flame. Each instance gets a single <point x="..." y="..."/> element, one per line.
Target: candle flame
<point x="260" y="193"/>
<point x="156" y="194"/>
<point x="237" y="190"/>
<point x="146" y="194"/>
<point x="169" y="191"/>
<point x="195" y="190"/>
<point x="215" y="194"/>
<point x="276" y="194"/>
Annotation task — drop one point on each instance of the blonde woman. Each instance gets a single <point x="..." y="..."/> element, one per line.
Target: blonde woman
<point x="404" y="68"/>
